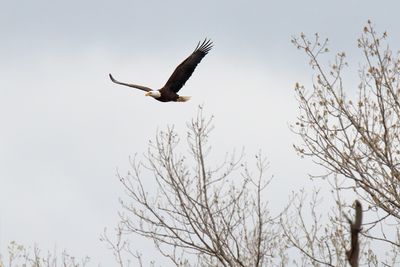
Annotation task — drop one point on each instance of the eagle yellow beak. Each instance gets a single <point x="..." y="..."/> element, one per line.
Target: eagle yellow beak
<point x="147" y="94"/>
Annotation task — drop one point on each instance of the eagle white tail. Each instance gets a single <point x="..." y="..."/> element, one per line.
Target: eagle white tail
<point x="183" y="98"/>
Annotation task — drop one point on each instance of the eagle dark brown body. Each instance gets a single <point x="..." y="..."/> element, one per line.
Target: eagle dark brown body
<point x="178" y="78"/>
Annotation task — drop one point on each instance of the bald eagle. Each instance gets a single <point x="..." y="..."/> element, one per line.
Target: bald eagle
<point x="178" y="78"/>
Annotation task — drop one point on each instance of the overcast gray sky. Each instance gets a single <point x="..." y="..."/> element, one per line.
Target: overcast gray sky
<point x="65" y="128"/>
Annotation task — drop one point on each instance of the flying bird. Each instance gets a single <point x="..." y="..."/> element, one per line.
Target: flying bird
<point x="178" y="78"/>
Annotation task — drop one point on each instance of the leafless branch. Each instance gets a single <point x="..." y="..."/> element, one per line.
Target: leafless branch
<point x="216" y="212"/>
<point x="359" y="138"/>
<point x="355" y="228"/>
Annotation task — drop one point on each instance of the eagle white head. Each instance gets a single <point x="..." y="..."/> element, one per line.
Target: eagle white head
<point x="153" y="93"/>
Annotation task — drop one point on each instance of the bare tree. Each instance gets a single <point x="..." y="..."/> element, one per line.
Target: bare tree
<point x="203" y="214"/>
<point x="321" y="236"/>
<point x="120" y="247"/>
<point x="19" y="255"/>
<point x="356" y="138"/>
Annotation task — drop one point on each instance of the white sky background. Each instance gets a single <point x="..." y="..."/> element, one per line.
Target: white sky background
<point x="65" y="127"/>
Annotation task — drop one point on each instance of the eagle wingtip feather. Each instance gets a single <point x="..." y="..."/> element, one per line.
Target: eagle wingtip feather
<point x="205" y="46"/>
<point x="111" y="77"/>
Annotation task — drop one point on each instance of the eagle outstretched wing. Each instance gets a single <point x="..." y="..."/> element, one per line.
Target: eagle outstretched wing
<point x="144" y="88"/>
<point x="183" y="72"/>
